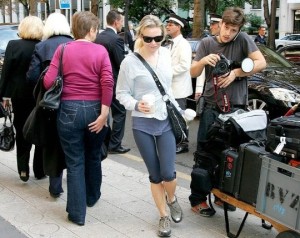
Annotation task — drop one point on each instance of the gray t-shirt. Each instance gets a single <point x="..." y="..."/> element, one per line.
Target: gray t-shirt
<point x="237" y="50"/>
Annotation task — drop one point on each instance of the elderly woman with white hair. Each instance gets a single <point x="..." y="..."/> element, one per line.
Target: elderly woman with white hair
<point x="56" y="31"/>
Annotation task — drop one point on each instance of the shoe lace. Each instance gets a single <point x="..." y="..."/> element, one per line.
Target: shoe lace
<point x="164" y="222"/>
<point x="175" y="206"/>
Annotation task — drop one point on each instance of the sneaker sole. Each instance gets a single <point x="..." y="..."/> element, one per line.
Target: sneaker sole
<point x="201" y="214"/>
<point x="162" y="235"/>
<point x="177" y="221"/>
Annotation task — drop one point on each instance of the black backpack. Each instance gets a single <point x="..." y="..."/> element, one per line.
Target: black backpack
<point x="205" y="172"/>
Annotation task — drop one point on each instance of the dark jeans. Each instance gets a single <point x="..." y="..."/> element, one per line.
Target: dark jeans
<point x="207" y="117"/>
<point x="82" y="154"/>
<point x="55" y="184"/>
<point x="118" y="113"/>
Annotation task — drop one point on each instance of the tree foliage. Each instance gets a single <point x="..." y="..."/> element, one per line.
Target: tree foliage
<point x="138" y="9"/>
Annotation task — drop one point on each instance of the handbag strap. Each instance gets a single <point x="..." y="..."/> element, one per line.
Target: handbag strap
<point x="60" y="67"/>
<point x="156" y="80"/>
<point x="8" y="115"/>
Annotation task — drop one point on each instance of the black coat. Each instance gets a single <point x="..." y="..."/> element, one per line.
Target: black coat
<point x="53" y="156"/>
<point x="16" y="63"/>
<point x="114" y="44"/>
<point x="42" y="56"/>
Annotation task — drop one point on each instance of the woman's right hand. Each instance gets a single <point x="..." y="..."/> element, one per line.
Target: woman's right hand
<point x="6" y="103"/>
<point x="197" y="96"/>
<point x="144" y="107"/>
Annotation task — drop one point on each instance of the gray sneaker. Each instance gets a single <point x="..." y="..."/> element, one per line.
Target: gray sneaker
<point x="176" y="212"/>
<point x="164" y="227"/>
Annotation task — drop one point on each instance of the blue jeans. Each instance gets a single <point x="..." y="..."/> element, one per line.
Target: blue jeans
<point x="82" y="154"/>
<point x="55" y="184"/>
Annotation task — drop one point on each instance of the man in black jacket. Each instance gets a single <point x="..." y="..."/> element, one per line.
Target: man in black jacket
<point x="261" y="36"/>
<point x="114" y="44"/>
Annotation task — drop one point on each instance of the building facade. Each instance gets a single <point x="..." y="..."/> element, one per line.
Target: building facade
<point x="287" y="15"/>
<point x="17" y="12"/>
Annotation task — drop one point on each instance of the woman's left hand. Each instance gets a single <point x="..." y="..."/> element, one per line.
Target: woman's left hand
<point x="98" y="124"/>
<point x="225" y="81"/>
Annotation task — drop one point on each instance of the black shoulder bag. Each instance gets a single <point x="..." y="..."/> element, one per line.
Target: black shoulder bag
<point x="177" y="121"/>
<point x="51" y="98"/>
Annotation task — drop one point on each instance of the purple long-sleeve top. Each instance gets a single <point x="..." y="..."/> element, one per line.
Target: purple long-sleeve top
<point x="87" y="72"/>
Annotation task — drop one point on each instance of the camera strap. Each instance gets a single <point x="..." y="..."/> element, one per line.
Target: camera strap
<point x="225" y="100"/>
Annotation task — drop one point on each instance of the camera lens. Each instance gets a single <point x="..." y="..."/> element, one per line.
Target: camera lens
<point x="223" y="66"/>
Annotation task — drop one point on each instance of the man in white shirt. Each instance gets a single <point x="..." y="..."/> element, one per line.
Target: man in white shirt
<point x="181" y="53"/>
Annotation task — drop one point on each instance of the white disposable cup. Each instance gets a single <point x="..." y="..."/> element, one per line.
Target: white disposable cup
<point x="150" y="100"/>
<point x="189" y="114"/>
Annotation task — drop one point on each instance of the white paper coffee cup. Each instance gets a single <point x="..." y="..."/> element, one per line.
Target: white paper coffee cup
<point x="189" y="114"/>
<point x="150" y="100"/>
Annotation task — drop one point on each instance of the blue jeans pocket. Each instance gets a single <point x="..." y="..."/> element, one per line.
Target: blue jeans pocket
<point x="67" y="115"/>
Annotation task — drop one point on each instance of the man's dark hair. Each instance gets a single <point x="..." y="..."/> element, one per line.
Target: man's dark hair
<point x="260" y="27"/>
<point x="112" y="16"/>
<point x="234" y="16"/>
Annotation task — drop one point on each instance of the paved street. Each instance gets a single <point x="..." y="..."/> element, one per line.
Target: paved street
<point x="126" y="208"/>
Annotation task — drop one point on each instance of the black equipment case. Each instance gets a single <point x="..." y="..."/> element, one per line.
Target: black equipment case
<point x="228" y="170"/>
<point x="283" y="136"/>
<point x="240" y="171"/>
<point x="249" y="167"/>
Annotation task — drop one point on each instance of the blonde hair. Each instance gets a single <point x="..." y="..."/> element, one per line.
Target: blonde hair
<point x="56" y="24"/>
<point x="148" y="21"/>
<point x="31" y="28"/>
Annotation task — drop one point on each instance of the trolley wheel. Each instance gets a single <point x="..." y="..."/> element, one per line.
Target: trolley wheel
<point x="288" y="234"/>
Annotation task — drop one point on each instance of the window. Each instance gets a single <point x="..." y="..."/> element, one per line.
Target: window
<point x="256" y="4"/>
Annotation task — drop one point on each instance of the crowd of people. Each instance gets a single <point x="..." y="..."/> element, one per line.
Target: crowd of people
<point x="99" y="81"/>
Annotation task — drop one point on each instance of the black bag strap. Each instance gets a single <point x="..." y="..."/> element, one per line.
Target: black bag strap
<point x="156" y="80"/>
<point x="60" y="67"/>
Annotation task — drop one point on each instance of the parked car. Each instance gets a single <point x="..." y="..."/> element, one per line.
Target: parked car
<point x="194" y="42"/>
<point x="286" y="40"/>
<point x="275" y="89"/>
<point x="291" y="52"/>
<point x="7" y="33"/>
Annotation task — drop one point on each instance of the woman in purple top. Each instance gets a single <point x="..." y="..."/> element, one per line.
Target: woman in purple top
<point x="82" y="116"/>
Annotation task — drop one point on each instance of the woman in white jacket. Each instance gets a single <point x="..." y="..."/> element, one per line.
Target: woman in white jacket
<point x="151" y="129"/>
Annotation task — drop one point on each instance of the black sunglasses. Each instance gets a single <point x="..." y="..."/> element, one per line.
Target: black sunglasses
<point x="149" y="39"/>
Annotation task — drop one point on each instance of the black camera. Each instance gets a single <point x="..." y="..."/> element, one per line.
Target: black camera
<point x="224" y="66"/>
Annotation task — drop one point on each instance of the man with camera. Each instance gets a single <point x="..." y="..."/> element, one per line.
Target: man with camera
<point x="226" y="86"/>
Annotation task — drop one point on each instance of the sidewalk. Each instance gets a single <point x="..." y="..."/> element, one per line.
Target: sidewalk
<point x="126" y="209"/>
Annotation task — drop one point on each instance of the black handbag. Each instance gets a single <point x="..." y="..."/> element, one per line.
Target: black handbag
<point x="7" y="133"/>
<point x="39" y="122"/>
<point x="51" y="98"/>
<point x="177" y="121"/>
<point x="37" y="126"/>
<point x="205" y="173"/>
